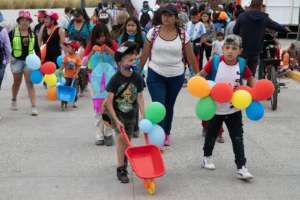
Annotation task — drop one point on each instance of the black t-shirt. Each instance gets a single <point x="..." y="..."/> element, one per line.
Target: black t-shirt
<point x="126" y="104"/>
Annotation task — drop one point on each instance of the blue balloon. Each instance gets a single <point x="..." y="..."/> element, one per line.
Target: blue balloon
<point x="255" y="111"/>
<point x="36" y="76"/>
<point x="157" y="135"/>
<point x="62" y="81"/>
<point x="33" y="61"/>
<point x="145" y="126"/>
<point x="59" y="60"/>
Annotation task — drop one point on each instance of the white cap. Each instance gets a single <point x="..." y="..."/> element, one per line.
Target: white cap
<point x="220" y="6"/>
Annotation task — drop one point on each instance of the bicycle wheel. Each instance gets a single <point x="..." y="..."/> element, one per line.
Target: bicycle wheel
<point x="274" y="81"/>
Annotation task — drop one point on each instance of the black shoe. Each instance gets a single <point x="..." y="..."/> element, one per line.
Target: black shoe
<point x="122" y="174"/>
<point x="99" y="142"/>
<point x="109" y="140"/>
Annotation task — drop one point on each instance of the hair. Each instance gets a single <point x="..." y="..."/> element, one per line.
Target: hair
<point x="85" y="15"/>
<point x="194" y="12"/>
<point x="68" y="9"/>
<point x="186" y="8"/>
<point x="96" y="33"/>
<point x="156" y="20"/>
<point x="205" y="13"/>
<point x="122" y="17"/>
<point x="264" y="5"/>
<point x="220" y="34"/>
<point x="138" y="37"/>
<point x="238" y="12"/>
<point x="201" y="8"/>
<point x="54" y="21"/>
<point x="256" y="4"/>
<point x="79" y="38"/>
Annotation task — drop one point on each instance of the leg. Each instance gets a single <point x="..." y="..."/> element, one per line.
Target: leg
<point x="99" y="129"/>
<point x="157" y="89"/>
<point x="201" y="57"/>
<point x="208" y="52"/>
<point x="30" y="88"/>
<point x="252" y="63"/>
<point x="2" y="72"/>
<point x="234" y="124"/>
<point x="220" y="137"/>
<point x="173" y="87"/>
<point x="15" y="89"/>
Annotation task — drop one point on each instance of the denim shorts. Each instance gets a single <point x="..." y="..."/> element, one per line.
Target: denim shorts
<point x="18" y="66"/>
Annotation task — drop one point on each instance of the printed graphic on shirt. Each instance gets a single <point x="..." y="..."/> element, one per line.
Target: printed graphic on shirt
<point x="126" y="100"/>
<point x="71" y="63"/>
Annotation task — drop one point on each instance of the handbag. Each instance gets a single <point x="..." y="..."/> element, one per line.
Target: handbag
<point x="44" y="47"/>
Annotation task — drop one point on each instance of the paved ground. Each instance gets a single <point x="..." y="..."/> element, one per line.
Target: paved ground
<point x="53" y="156"/>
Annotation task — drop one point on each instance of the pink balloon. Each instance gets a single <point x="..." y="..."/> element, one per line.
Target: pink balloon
<point x="85" y="61"/>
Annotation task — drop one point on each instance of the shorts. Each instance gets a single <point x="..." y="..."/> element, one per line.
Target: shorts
<point x="129" y="126"/>
<point x="18" y="66"/>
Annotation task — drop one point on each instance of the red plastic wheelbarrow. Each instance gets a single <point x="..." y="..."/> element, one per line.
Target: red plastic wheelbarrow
<point x="146" y="161"/>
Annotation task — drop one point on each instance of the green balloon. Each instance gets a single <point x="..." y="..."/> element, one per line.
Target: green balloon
<point x="62" y="74"/>
<point x="155" y="112"/>
<point x="206" y="108"/>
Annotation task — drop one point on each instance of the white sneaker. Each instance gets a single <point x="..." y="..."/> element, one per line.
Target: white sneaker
<point x="14" y="105"/>
<point x="34" y="111"/>
<point x="75" y="104"/>
<point x="244" y="173"/>
<point x="208" y="163"/>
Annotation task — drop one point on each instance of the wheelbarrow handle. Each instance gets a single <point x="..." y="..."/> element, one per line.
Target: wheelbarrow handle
<point x="73" y="80"/>
<point x="125" y="136"/>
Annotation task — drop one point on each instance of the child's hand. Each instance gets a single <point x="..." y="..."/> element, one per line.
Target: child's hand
<point x="96" y="48"/>
<point x="75" y="76"/>
<point x="119" y="125"/>
<point x="59" y="73"/>
<point x="105" y="48"/>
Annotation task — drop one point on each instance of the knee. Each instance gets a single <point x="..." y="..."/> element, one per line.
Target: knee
<point x="29" y="84"/>
<point x="17" y="82"/>
<point x="237" y="139"/>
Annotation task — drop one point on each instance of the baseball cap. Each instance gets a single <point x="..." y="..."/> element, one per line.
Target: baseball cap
<point x="127" y="48"/>
<point x="170" y="8"/>
<point x="73" y="43"/>
<point x="52" y="14"/>
<point x="78" y="12"/>
<point x="233" y="40"/>
<point x="41" y="13"/>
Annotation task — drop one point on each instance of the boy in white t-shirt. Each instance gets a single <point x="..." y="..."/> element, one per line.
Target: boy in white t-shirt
<point x="218" y="45"/>
<point x="230" y="71"/>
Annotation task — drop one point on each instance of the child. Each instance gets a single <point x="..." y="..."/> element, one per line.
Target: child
<point x="71" y="65"/>
<point x="218" y="45"/>
<point x="124" y="97"/>
<point x="229" y="70"/>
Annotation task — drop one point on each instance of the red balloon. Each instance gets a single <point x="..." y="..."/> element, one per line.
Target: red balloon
<point x="221" y="92"/>
<point x="262" y="90"/>
<point x="48" y="68"/>
<point x="244" y="87"/>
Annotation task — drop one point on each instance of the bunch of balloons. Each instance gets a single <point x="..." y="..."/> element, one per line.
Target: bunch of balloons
<point x="155" y="112"/>
<point x="243" y="97"/>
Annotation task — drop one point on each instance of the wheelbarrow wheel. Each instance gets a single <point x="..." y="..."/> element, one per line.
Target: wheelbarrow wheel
<point x="150" y="185"/>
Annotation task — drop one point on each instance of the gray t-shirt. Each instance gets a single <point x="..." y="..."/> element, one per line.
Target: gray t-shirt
<point x="229" y="28"/>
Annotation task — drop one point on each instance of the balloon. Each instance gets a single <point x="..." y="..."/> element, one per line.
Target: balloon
<point x="221" y="92"/>
<point x="51" y="94"/>
<point x="33" y="61"/>
<point x="244" y="87"/>
<point x="262" y="90"/>
<point x="255" y="111"/>
<point x="50" y="79"/>
<point x="48" y="68"/>
<point x="145" y="126"/>
<point x="85" y="61"/>
<point x="59" y="60"/>
<point x="241" y="99"/>
<point x="138" y="4"/>
<point x="155" y="112"/>
<point x="157" y="135"/>
<point x="206" y="108"/>
<point x="57" y="74"/>
<point x="198" y="87"/>
<point x="36" y="76"/>
<point x="211" y="83"/>
<point x="61" y="80"/>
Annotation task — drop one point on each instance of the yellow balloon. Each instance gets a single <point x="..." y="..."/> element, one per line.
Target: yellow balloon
<point x="241" y="99"/>
<point x="50" y="79"/>
<point x="198" y="87"/>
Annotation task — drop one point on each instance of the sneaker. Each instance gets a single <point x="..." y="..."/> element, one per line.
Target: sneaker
<point x="136" y="134"/>
<point x="81" y="94"/>
<point x="75" y="104"/>
<point x="109" y="140"/>
<point x="99" y="142"/>
<point x="122" y="174"/>
<point x="34" y="111"/>
<point x="167" y="140"/>
<point x="220" y="139"/>
<point x="244" y="173"/>
<point x="162" y="147"/>
<point x="14" y="105"/>
<point x="204" y="132"/>
<point x="208" y="163"/>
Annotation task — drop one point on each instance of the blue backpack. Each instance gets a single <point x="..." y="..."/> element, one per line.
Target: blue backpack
<point x="215" y="65"/>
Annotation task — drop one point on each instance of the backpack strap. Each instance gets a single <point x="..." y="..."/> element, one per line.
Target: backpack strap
<point x="242" y="65"/>
<point x="154" y="35"/>
<point x="214" y="68"/>
<point x="182" y="38"/>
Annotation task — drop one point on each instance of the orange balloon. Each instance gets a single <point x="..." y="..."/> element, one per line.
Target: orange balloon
<point x="51" y="94"/>
<point x="262" y="90"/>
<point x="198" y="87"/>
<point x="244" y="87"/>
<point x="221" y="92"/>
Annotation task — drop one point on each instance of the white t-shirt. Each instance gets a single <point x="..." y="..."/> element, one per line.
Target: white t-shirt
<point x="217" y="48"/>
<point x="166" y="58"/>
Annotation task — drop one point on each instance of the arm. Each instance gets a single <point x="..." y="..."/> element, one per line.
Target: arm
<point x="111" y="109"/>
<point x="7" y="45"/>
<point x="203" y="73"/>
<point x="77" y="71"/>
<point x="191" y="57"/>
<point x="274" y="26"/>
<point x="61" y="69"/>
<point x="140" y="100"/>
<point x="237" y="26"/>
<point x="62" y="39"/>
<point x="251" y="81"/>
<point x="145" y="54"/>
<point x="40" y="36"/>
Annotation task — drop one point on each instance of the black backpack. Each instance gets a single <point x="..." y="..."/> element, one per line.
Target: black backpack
<point x="103" y="17"/>
<point x="1" y="48"/>
<point x="145" y="18"/>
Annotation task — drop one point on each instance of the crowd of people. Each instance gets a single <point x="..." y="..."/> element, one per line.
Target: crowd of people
<point x="166" y="39"/>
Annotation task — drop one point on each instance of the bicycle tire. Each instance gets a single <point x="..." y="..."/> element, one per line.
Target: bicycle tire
<point x="274" y="98"/>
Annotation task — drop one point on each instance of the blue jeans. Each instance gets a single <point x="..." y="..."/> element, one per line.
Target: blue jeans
<point x="165" y="90"/>
<point x="2" y="72"/>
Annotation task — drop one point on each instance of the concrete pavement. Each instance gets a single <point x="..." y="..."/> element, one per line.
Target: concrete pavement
<point x="53" y="156"/>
